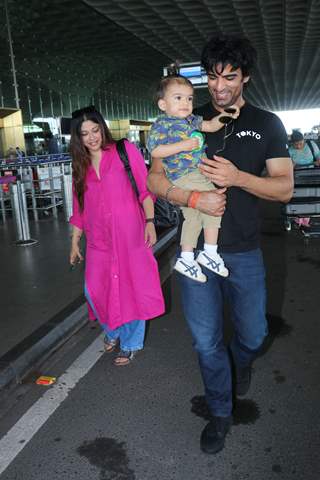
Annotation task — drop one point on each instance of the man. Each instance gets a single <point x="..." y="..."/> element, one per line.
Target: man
<point x="248" y="145"/>
<point x="304" y="154"/>
<point x="20" y="153"/>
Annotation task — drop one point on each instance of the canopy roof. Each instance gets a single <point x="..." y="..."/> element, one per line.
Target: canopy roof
<point x="70" y="53"/>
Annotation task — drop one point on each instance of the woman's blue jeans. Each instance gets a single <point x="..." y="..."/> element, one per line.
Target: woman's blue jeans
<point x="203" y="303"/>
<point x="130" y="335"/>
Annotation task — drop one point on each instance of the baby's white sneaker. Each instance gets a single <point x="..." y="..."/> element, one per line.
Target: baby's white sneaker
<point x="190" y="269"/>
<point x="214" y="263"/>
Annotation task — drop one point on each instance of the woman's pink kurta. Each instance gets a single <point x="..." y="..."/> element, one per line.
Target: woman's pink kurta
<point x="121" y="272"/>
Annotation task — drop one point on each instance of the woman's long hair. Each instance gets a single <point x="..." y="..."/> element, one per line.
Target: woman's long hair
<point x="80" y="156"/>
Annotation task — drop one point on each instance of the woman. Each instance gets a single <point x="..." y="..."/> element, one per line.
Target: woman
<point x="122" y="285"/>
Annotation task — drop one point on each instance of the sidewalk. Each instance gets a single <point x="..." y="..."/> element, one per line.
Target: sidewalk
<point x="41" y="298"/>
<point x="143" y="422"/>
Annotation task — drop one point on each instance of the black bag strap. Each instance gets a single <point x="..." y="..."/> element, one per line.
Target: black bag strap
<point x="122" y="151"/>
<point x="309" y="143"/>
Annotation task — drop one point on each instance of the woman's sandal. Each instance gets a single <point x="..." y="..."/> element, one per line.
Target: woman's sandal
<point x="124" y="357"/>
<point x="110" y="344"/>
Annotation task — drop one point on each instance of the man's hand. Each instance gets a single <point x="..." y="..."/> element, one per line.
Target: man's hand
<point x="212" y="202"/>
<point x="221" y="171"/>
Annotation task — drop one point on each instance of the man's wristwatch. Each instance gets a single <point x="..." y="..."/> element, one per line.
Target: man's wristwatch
<point x="150" y="220"/>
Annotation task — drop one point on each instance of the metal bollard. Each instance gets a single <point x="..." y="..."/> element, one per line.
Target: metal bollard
<point x="52" y="192"/>
<point x="2" y="205"/>
<point x="67" y="195"/>
<point x="33" y="195"/>
<point x="20" y="212"/>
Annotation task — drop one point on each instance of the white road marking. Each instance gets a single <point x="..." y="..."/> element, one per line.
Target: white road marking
<point x="28" y="425"/>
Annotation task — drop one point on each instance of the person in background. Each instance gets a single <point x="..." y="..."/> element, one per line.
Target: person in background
<point x="20" y="153"/>
<point x="122" y="284"/>
<point x="53" y="146"/>
<point x="304" y="153"/>
<point x="11" y="154"/>
<point x="237" y="159"/>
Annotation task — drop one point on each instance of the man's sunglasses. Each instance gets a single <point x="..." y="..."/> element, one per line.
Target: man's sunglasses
<point x="83" y="111"/>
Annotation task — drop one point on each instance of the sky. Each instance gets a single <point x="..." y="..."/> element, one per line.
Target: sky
<point x="300" y="119"/>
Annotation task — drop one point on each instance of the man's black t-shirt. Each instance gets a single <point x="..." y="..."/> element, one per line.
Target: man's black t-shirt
<point x="258" y="135"/>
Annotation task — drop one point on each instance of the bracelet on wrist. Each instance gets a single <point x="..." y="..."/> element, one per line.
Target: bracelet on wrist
<point x="168" y="191"/>
<point x="193" y="199"/>
<point x="150" y="220"/>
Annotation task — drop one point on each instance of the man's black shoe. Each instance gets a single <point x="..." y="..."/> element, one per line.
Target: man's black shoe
<point x="214" y="433"/>
<point x="243" y="380"/>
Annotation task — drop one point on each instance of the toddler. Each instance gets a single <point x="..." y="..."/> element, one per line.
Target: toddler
<point x="174" y="137"/>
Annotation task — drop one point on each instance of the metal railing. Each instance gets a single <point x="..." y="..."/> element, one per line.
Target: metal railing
<point x="45" y="185"/>
<point x="41" y="184"/>
<point x="34" y="160"/>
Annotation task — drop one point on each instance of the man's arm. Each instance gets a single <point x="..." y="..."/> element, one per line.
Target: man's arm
<point x="291" y="157"/>
<point x="211" y="203"/>
<point x="277" y="186"/>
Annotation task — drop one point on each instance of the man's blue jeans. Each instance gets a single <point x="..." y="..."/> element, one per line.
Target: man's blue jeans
<point x="245" y="292"/>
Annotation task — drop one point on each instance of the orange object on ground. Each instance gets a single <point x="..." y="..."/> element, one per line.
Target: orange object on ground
<point x="44" y="380"/>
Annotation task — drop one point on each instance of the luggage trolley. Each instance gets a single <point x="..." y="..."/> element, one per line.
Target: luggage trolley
<point x="305" y="201"/>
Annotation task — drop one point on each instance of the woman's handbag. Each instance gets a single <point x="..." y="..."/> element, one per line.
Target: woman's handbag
<point x="165" y="214"/>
